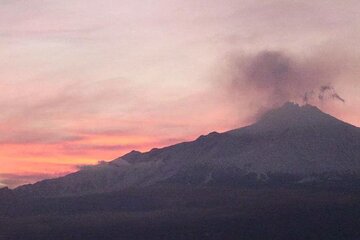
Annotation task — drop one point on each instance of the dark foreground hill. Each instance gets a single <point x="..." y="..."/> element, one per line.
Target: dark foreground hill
<point x="186" y="213"/>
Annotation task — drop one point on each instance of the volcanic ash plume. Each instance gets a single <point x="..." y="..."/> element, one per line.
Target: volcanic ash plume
<point x="270" y="78"/>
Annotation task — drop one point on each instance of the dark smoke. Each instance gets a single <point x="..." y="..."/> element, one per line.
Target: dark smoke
<point x="324" y="93"/>
<point x="270" y="78"/>
<point x="337" y="97"/>
<point x="328" y="92"/>
<point x="308" y="96"/>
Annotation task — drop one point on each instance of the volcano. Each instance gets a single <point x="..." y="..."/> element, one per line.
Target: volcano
<point x="292" y="144"/>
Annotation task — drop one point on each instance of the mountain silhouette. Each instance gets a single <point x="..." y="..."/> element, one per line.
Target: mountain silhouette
<point x="291" y="144"/>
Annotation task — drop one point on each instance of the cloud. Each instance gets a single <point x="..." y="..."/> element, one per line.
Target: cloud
<point x="16" y="179"/>
<point x="37" y="137"/>
<point x="100" y="165"/>
<point x="56" y="111"/>
<point x="84" y="148"/>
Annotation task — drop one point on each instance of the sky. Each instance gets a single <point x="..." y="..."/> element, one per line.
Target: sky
<point x="85" y="81"/>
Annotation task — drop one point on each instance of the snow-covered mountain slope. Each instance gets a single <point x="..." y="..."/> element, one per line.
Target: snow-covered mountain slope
<point x="293" y="140"/>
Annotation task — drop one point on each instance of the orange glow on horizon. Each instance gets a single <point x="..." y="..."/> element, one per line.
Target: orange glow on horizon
<point x="56" y="159"/>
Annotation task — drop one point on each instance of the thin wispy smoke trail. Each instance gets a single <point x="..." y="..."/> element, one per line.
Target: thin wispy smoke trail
<point x="328" y="92"/>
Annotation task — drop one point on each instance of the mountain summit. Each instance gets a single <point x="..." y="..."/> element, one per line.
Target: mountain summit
<point x="292" y="115"/>
<point x="300" y="142"/>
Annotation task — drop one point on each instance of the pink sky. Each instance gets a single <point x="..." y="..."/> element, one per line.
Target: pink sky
<point x="84" y="81"/>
